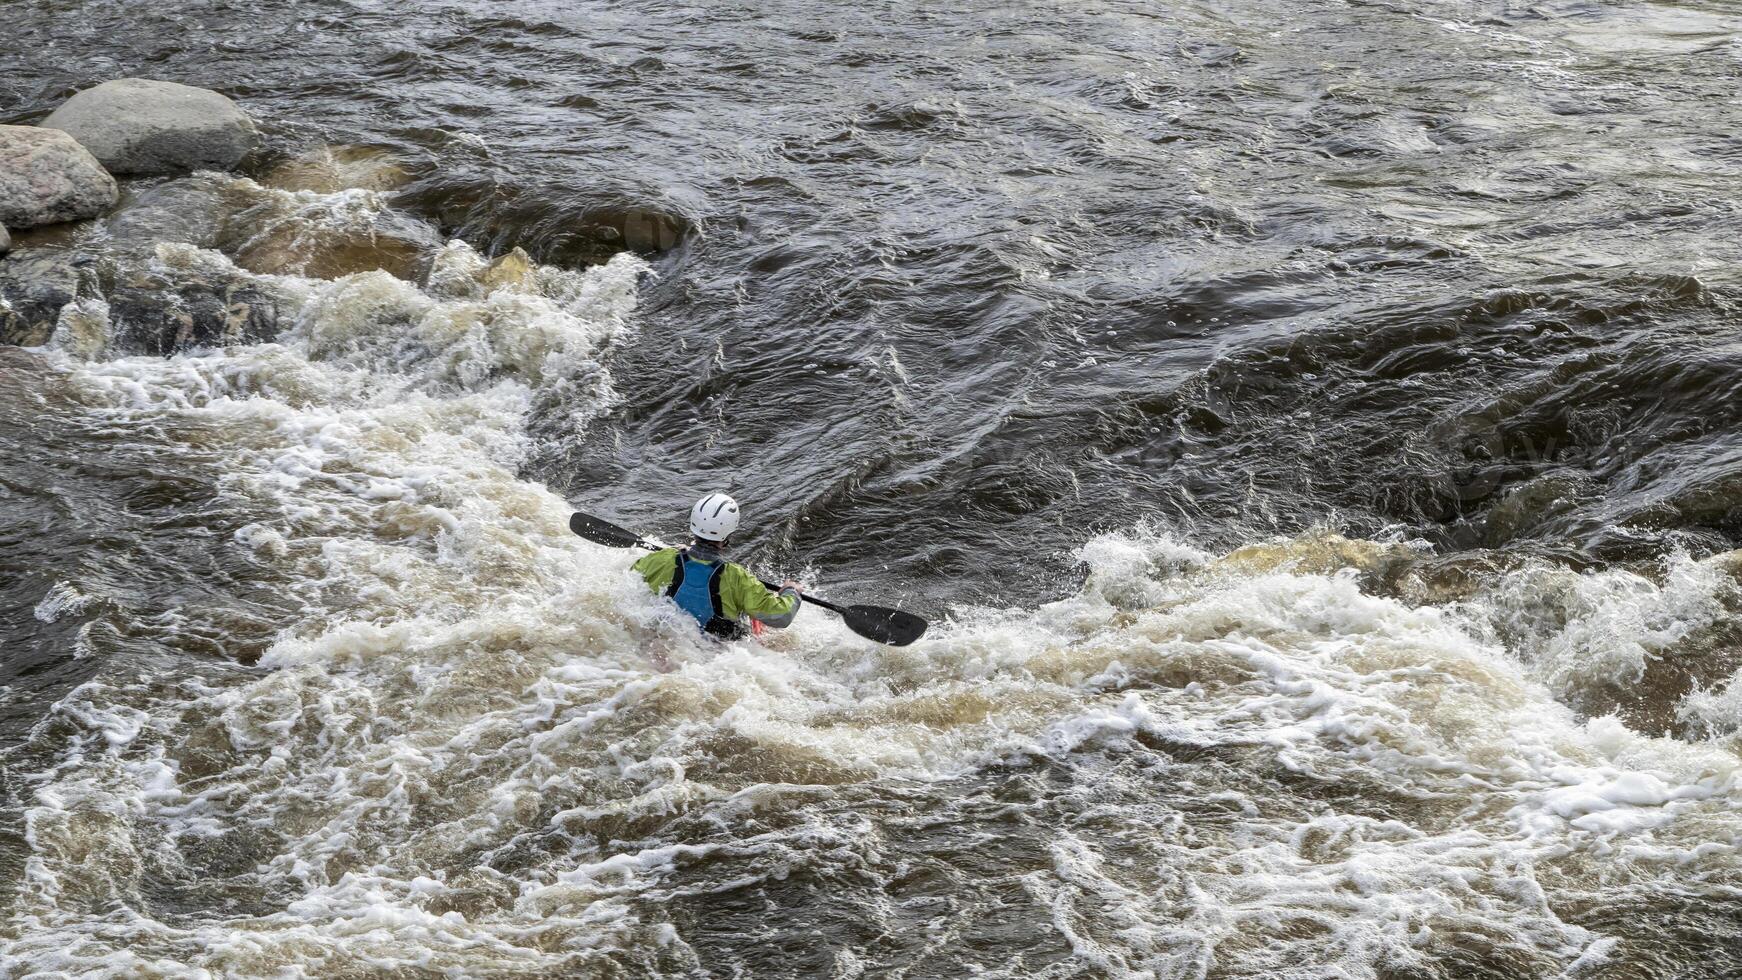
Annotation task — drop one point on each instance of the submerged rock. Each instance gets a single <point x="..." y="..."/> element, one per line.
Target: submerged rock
<point x="330" y="169"/>
<point x="556" y="225"/>
<point x="35" y="284"/>
<point x="642" y="230"/>
<point x="330" y="237"/>
<point x="189" y="209"/>
<point x="140" y="126"/>
<point x="475" y="893"/>
<point x="512" y="271"/>
<point x="47" y="178"/>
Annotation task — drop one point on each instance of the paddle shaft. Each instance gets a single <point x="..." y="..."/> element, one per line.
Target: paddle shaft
<point x="813" y="600"/>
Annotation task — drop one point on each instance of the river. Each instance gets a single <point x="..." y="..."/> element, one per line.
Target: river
<point x="1312" y="427"/>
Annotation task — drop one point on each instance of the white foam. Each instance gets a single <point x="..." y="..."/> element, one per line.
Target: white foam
<point x="482" y="746"/>
<point x="1605" y="627"/>
<point x="63" y="598"/>
<point x="388" y="746"/>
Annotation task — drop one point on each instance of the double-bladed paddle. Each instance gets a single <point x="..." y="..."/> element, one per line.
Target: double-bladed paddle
<point x="891" y="626"/>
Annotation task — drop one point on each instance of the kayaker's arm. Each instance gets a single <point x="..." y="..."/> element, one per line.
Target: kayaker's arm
<point x="742" y="594"/>
<point x="658" y="568"/>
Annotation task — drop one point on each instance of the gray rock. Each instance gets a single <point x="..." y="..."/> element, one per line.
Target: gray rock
<point x="187" y="209"/>
<point x="152" y="313"/>
<point x="152" y="309"/>
<point x="34" y="284"/>
<point x="47" y="178"/>
<point x="138" y="126"/>
<point x="5" y="240"/>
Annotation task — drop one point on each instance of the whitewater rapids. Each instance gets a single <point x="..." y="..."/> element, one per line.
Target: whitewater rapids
<point x="471" y="744"/>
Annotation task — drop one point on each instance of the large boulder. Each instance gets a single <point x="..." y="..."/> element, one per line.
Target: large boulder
<point x="139" y="126"/>
<point x="47" y="178"/>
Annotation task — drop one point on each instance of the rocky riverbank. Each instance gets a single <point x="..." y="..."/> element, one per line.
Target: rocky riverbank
<point x="128" y="266"/>
<point x="124" y="278"/>
<point x="63" y="171"/>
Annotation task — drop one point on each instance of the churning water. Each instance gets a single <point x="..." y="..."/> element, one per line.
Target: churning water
<point x="1312" y="425"/>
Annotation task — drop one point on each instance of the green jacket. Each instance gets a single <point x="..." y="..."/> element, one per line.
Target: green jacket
<point x="740" y="592"/>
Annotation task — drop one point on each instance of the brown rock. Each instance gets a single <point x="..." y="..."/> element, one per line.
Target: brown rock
<point x="322" y="245"/>
<point x="512" y="271"/>
<point x="330" y="169"/>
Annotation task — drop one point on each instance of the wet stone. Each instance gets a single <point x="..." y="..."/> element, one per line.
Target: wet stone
<point x="638" y="229"/>
<point x="512" y="271"/>
<point x="152" y="314"/>
<point x="35" y="283"/>
<point x="332" y="244"/>
<point x="191" y="210"/>
<point x="143" y="126"/>
<point x="47" y="178"/>
<point x="149" y="311"/>
<point x="553" y="224"/>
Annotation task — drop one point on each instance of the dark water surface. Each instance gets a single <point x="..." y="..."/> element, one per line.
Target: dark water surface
<point x="1378" y="361"/>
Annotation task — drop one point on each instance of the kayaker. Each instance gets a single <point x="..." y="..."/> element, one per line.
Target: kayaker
<point x="720" y="594"/>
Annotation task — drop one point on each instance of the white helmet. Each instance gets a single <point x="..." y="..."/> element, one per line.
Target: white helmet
<point x="714" y="517"/>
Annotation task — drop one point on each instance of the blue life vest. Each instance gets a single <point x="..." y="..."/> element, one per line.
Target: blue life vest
<point x="696" y="589"/>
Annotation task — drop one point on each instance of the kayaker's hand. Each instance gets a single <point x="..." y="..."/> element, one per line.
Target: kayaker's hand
<point x="790" y="584"/>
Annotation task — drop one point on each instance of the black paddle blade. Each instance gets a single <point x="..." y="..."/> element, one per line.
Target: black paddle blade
<point x="891" y="626"/>
<point x="604" y="532"/>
